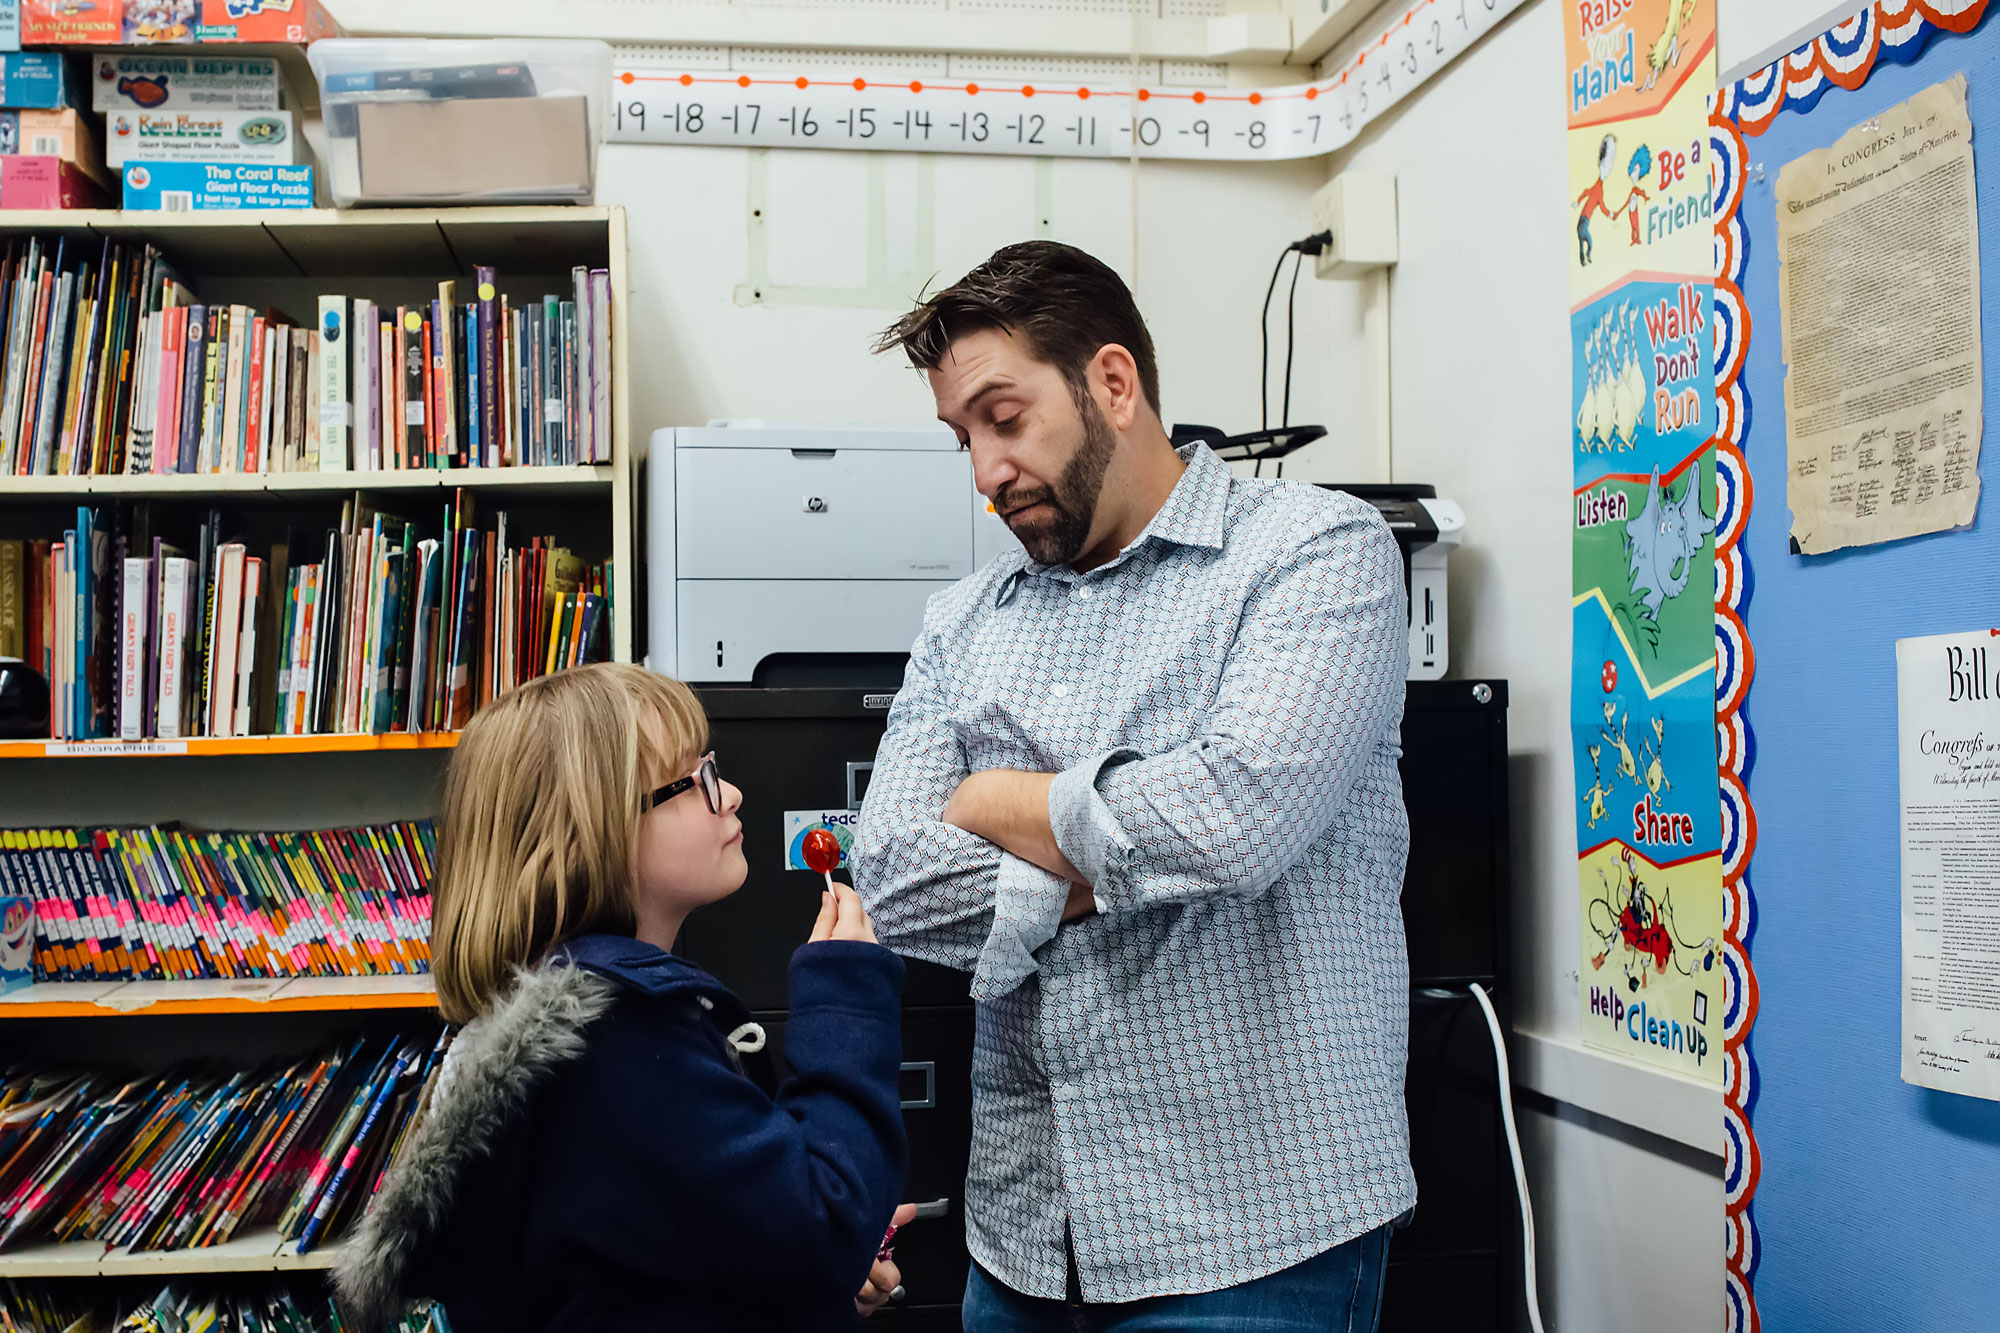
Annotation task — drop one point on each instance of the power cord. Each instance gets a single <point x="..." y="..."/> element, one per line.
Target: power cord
<point x="1297" y="252"/>
<point x="1514" y="1150"/>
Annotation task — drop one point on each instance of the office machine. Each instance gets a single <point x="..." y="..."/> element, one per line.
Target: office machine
<point x="802" y="553"/>
<point x="812" y="750"/>
<point x="1427" y="529"/>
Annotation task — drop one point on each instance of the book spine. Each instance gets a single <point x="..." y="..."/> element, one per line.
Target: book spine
<point x="506" y="333"/>
<point x="13" y="598"/>
<point x="132" y="650"/>
<point x="334" y="414"/>
<point x="489" y="366"/>
<point x="442" y="322"/>
<point x="463" y="417"/>
<point x="600" y="365"/>
<point x="167" y="413"/>
<point x="173" y="630"/>
<point x="386" y="393"/>
<point x="229" y="387"/>
<point x="277" y="396"/>
<point x="195" y="356"/>
<point x="581" y="403"/>
<point x="214" y="389"/>
<point x="467" y="349"/>
<point x="566" y="385"/>
<point x="246" y="645"/>
<point x="358" y="339"/>
<point x="253" y="397"/>
<point x="223" y="639"/>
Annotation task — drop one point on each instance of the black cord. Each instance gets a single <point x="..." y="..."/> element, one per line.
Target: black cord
<point x="1291" y="311"/>
<point x="1264" y="332"/>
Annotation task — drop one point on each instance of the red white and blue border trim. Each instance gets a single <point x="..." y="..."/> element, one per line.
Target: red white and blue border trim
<point x="1842" y="57"/>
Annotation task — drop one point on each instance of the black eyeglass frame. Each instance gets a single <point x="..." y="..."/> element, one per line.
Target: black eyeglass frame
<point x="706" y="777"/>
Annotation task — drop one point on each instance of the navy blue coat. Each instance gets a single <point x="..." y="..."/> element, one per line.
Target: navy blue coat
<point x="661" y="1179"/>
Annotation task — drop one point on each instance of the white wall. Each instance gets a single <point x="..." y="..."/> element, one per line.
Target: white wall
<point x="723" y="336"/>
<point x="1753" y="33"/>
<point x="1630" y="1222"/>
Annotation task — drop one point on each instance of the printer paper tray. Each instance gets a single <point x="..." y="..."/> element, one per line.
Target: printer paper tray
<point x="728" y="626"/>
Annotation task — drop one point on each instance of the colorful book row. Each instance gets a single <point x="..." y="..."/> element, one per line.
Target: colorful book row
<point x="111" y="364"/>
<point x="399" y="626"/>
<point x="185" y="1307"/>
<point x="191" y="1157"/>
<point x="165" y="904"/>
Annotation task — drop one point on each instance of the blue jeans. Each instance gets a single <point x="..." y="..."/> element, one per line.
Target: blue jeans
<point x="1339" y="1291"/>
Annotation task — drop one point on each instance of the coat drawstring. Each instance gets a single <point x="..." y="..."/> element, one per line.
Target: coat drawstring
<point x="745" y="1040"/>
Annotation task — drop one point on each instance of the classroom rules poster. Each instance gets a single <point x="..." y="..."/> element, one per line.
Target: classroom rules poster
<point x="1640" y="74"/>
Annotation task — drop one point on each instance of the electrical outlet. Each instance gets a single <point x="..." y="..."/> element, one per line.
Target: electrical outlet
<point x="1359" y="208"/>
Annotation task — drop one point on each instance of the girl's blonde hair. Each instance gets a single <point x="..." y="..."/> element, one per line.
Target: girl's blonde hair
<point x="541" y="810"/>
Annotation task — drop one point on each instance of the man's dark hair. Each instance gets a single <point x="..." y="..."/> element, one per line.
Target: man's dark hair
<point x="1062" y="302"/>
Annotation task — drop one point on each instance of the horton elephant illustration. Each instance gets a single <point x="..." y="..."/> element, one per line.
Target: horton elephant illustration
<point x="1661" y="541"/>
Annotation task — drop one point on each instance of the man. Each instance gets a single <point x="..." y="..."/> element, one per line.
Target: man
<point x="1141" y="782"/>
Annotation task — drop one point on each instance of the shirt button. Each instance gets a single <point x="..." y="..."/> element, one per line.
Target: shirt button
<point x="1083" y="593"/>
<point x="1059" y="691"/>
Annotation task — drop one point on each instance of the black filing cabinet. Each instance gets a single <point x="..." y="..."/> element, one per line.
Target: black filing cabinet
<point x="807" y="749"/>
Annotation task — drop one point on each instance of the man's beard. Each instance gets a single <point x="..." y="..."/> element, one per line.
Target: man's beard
<point x="1059" y="537"/>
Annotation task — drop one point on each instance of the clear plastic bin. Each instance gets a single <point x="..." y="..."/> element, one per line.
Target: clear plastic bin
<point x="508" y="121"/>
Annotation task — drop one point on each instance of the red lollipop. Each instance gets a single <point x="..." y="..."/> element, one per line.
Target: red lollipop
<point x="822" y="852"/>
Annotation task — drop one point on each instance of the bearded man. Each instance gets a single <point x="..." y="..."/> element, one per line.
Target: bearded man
<point x="1141" y="782"/>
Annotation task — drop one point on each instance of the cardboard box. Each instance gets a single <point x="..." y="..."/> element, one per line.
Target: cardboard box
<point x="199" y="136"/>
<point x="35" y="80"/>
<point x="143" y="22"/>
<point x="62" y="134"/>
<point x="69" y="22"/>
<point x="265" y="21"/>
<point x="219" y="82"/>
<point x="458" y="149"/>
<point x="181" y="187"/>
<point x="17" y="943"/>
<point x="46" y="182"/>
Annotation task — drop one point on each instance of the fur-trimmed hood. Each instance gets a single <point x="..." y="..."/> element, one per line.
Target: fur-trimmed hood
<point x="492" y="1072"/>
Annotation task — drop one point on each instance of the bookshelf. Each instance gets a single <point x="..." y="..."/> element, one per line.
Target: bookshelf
<point x="286" y="256"/>
<point x="579" y="478"/>
<point x="341" y="743"/>
<point x="260" y="782"/>
<point x="264" y="1252"/>
<point x="171" y="999"/>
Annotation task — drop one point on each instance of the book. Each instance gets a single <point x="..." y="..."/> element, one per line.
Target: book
<point x="173" y="613"/>
<point x="13" y="598"/>
<point x="194" y="350"/>
<point x="582" y="356"/>
<point x="360" y="348"/>
<point x="600" y="366"/>
<point x="225" y="628"/>
<point x="132" y="648"/>
<point x="334" y="414"/>
<point x="488" y="335"/>
<point x="442" y="368"/>
<point x="410" y="341"/>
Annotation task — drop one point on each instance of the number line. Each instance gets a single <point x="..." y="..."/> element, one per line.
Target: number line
<point x="1081" y="92"/>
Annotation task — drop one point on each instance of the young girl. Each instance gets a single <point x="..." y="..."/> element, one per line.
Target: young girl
<point x="606" y="1148"/>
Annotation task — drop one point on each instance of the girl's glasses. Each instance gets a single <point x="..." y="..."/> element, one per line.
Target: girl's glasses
<point x="704" y="777"/>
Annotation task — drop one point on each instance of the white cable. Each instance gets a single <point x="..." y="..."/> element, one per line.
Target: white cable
<point x="1514" y="1149"/>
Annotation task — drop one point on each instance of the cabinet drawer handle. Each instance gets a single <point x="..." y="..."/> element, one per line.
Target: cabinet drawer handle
<point x="928" y="1069"/>
<point x="814" y="453"/>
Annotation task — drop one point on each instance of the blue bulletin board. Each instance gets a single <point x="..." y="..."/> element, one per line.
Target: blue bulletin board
<point x="1857" y="1201"/>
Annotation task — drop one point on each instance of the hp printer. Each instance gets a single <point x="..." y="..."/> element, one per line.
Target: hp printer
<point x="784" y="553"/>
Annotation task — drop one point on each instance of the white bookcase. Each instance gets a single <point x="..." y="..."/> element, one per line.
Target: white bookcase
<point x="286" y="259"/>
